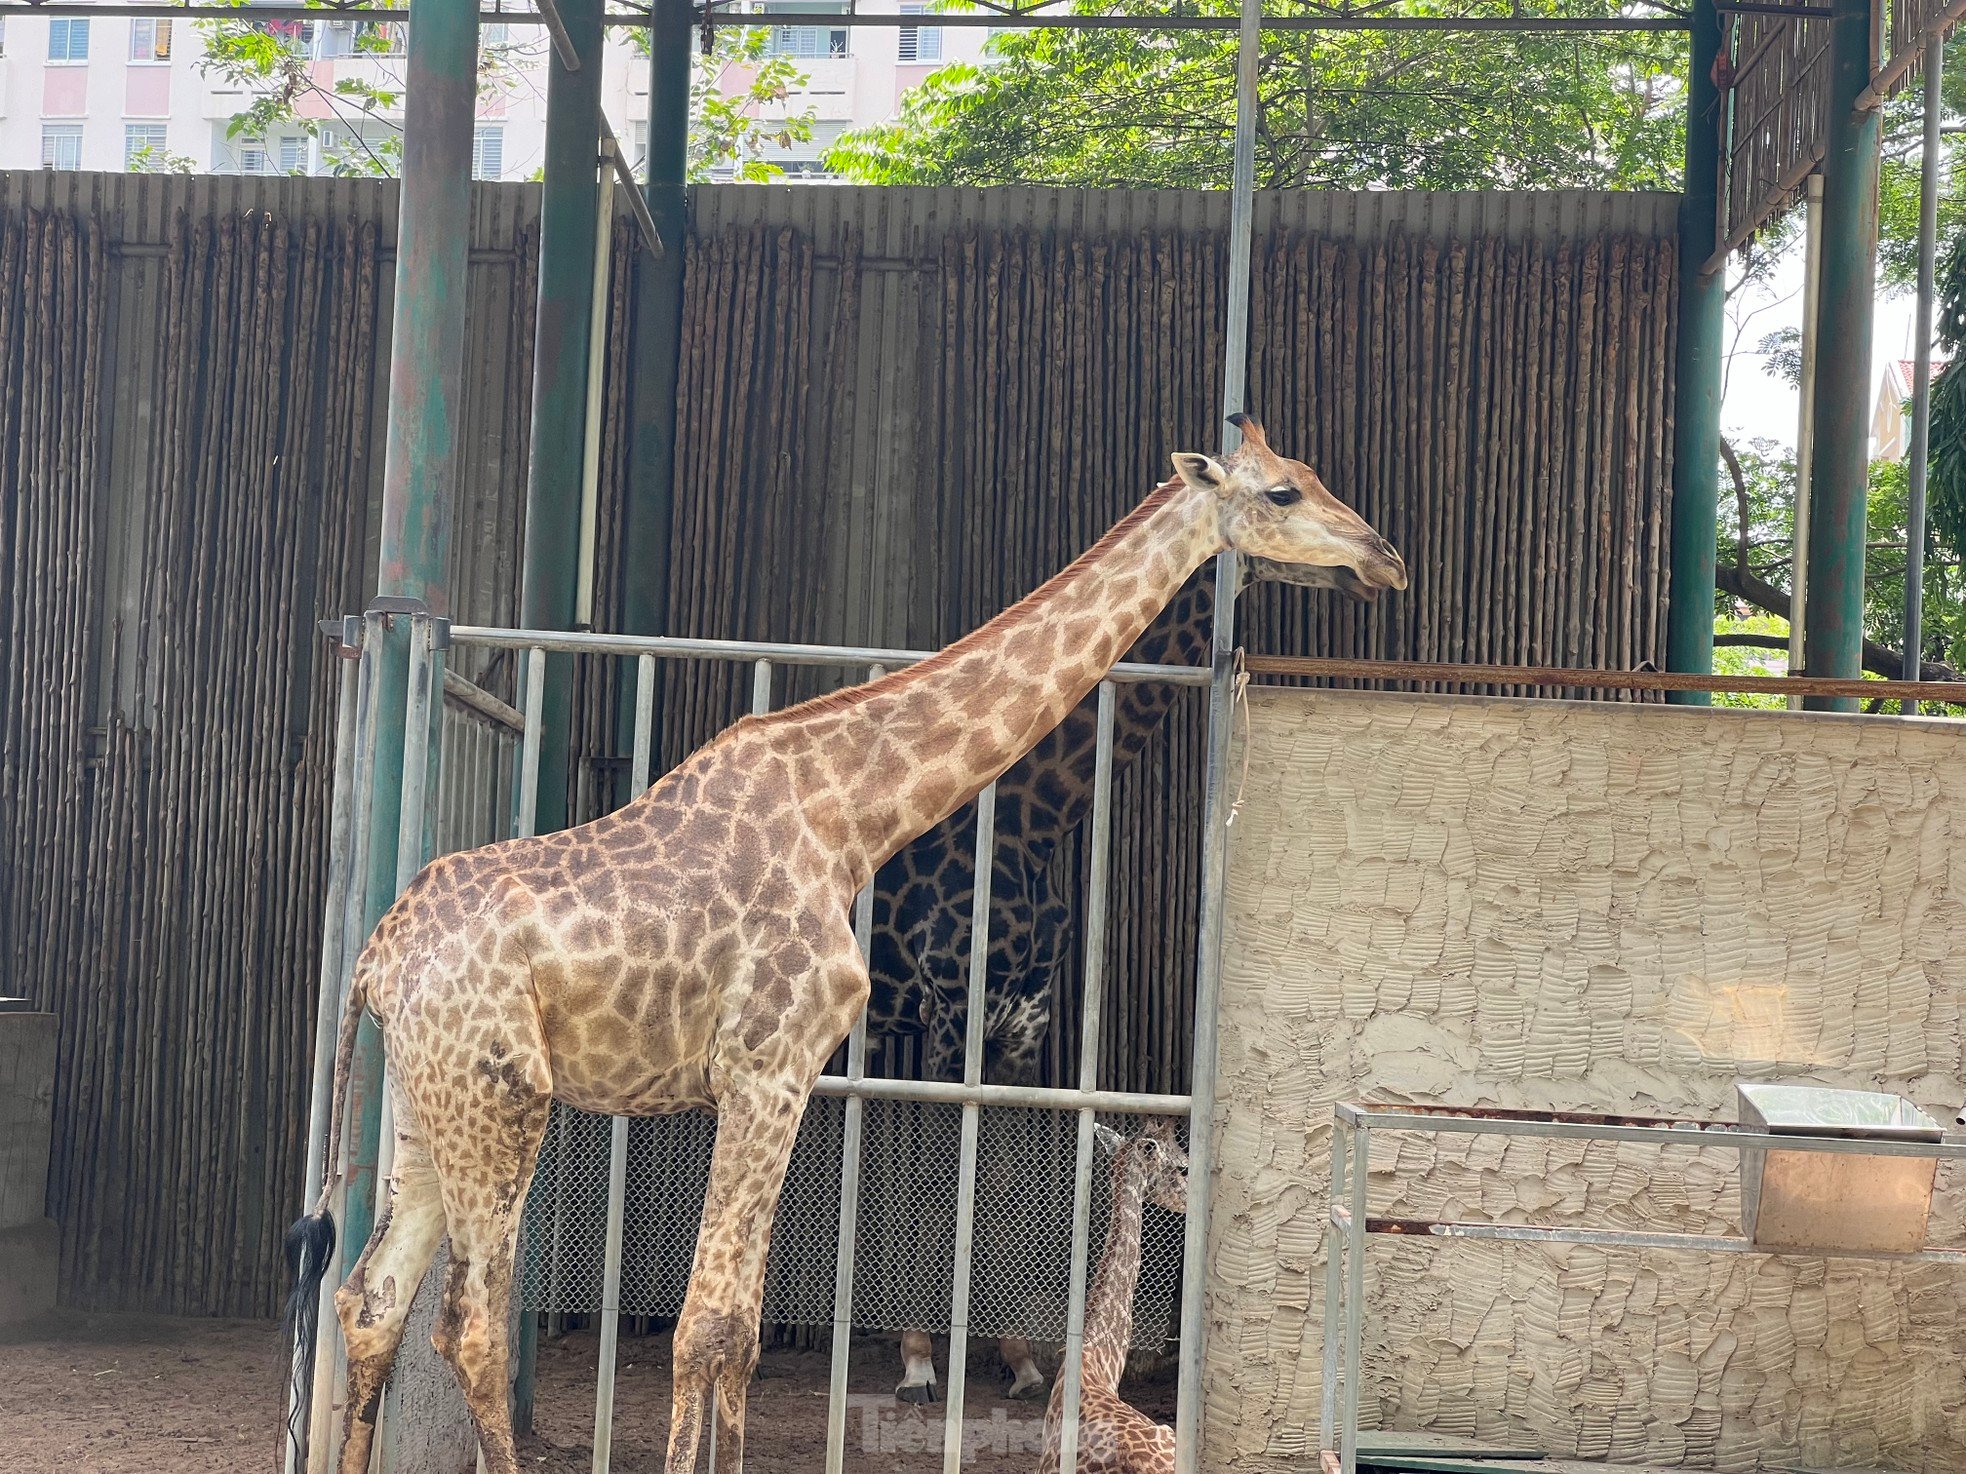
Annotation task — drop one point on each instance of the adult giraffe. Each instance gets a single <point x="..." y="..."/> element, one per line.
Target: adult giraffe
<point x="924" y="902"/>
<point x="695" y="949"/>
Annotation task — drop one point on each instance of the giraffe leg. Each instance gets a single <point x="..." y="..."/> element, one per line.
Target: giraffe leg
<point x="374" y="1302"/>
<point x="495" y="1121"/>
<point x="716" y="1342"/>
<point x="1026" y="1381"/>
<point x="917" y="1368"/>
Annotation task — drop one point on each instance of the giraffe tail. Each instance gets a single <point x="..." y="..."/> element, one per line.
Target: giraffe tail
<point x="310" y="1241"/>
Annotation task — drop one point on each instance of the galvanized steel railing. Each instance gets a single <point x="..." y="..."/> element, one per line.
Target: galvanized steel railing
<point x="499" y="749"/>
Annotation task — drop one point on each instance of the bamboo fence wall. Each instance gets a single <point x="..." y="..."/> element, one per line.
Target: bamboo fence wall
<point x="900" y="409"/>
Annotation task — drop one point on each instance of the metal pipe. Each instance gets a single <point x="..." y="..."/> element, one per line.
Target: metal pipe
<point x="1333" y="1290"/>
<point x="996" y="20"/>
<point x="327" y="1005"/>
<point x="1623" y="1238"/>
<point x="1214" y="845"/>
<point x="1878" y="92"/>
<point x="1805" y="432"/>
<point x="624" y="173"/>
<point x="979" y="966"/>
<point x="529" y="745"/>
<point x="1091" y="1018"/>
<point x="1921" y="374"/>
<point x="555" y="513"/>
<point x="760" y="687"/>
<point x="482" y="701"/>
<point x="1361" y="1170"/>
<point x="1698" y="1135"/>
<point x="597" y="358"/>
<point x="1024" y="1097"/>
<point x="1699" y="370"/>
<point x="639" y="759"/>
<point x="848" y="1241"/>
<point x="781" y="652"/>
<point x="1833" y="644"/>
<point x="330" y="1368"/>
<point x="416" y="762"/>
<point x="556" y="27"/>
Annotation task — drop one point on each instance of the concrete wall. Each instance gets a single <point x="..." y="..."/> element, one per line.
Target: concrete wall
<point x="1552" y="905"/>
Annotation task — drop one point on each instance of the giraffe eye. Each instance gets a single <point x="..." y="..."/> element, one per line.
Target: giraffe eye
<point x="1284" y="496"/>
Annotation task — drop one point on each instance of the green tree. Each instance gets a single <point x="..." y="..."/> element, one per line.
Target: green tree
<point x="1338" y="109"/>
<point x="740" y="95"/>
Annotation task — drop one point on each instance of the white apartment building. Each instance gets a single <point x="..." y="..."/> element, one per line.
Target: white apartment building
<point x="110" y="92"/>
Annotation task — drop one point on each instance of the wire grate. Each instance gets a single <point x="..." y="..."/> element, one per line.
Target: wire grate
<point x="905" y="1254"/>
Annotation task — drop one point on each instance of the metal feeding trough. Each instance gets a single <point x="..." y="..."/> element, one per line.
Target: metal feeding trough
<point x="1843" y="1202"/>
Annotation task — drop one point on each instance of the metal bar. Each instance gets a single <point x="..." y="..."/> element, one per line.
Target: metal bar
<point x="1621" y="1238"/>
<point x="611" y="1295"/>
<point x="330" y="1368"/>
<point x="327" y="1015"/>
<point x="555" y="512"/>
<point x="465" y="693"/>
<point x="597" y="345"/>
<point x="1098" y="883"/>
<point x="1906" y="57"/>
<point x="1702" y="1135"/>
<point x="1214" y="845"/>
<point x="549" y="16"/>
<point x="848" y="1243"/>
<point x="1805" y="432"/>
<point x="1361" y="1170"/>
<point x="1334" y="1249"/>
<point x="1602" y="680"/>
<point x="616" y="159"/>
<point x="1744" y="230"/>
<point x="761" y="18"/>
<point x="1921" y="374"/>
<point x="529" y="745"/>
<point x="639" y="760"/>
<point x="416" y="763"/>
<point x="1024" y="1097"/>
<point x="783" y="653"/>
<point x="1833" y="645"/>
<point x="979" y="964"/>
<point x="760" y="687"/>
<point x="1699" y="369"/>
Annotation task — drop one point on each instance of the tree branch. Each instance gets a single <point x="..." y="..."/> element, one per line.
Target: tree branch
<point x="1879" y="659"/>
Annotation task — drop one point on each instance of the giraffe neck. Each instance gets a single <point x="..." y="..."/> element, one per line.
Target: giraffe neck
<point x="1109" y="1305"/>
<point x="1052" y="785"/>
<point x="889" y="760"/>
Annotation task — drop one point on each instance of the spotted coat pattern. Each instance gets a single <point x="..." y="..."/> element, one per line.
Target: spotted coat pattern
<point x="695" y="949"/>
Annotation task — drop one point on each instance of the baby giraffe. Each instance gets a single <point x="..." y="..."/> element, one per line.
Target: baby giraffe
<point x="1113" y="1437"/>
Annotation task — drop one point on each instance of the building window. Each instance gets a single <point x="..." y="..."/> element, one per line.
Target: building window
<point x="812" y="42"/>
<point x="143" y="145"/>
<point x="488" y="151"/>
<point x="61" y="145"/>
<point x="638" y="148"/>
<point x="68" y="39"/>
<point x="920" y="43"/>
<point x="293" y="154"/>
<point x="252" y="157"/>
<point x="150" y="40"/>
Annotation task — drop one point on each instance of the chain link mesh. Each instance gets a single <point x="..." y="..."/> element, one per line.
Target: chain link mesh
<point x="904" y="1262"/>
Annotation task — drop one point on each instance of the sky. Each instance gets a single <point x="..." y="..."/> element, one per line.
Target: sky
<point x="1759" y="406"/>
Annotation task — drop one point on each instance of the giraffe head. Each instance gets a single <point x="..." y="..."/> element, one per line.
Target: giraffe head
<point x="1276" y="510"/>
<point x="1157" y="1156"/>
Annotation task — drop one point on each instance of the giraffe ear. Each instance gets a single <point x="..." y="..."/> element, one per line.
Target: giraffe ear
<point x="1204" y="473"/>
<point x="1108" y="1138"/>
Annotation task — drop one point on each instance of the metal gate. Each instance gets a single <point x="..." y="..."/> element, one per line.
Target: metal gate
<point x="857" y="1128"/>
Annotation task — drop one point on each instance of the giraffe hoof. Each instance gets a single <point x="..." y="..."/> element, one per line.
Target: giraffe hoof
<point x="1031" y="1391"/>
<point x="920" y="1393"/>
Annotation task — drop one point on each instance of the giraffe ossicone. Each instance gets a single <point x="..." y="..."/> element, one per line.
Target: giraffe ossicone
<point x="695" y="949"/>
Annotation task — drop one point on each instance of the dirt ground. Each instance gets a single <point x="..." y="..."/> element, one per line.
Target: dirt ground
<point x="147" y="1395"/>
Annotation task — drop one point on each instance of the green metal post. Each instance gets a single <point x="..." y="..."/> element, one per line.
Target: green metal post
<point x="426" y="401"/>
<point x="658" y="337"/>
<point x="555" y="483"/>
<point x="1702" y="322"/>
<point x="1833" y="638"/>
<point x="559" y="381"/>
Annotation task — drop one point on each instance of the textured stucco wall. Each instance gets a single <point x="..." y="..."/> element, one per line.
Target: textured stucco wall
<point x="1557" y="905"/>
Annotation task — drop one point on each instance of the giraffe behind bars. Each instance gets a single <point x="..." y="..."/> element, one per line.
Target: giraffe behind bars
<point x="695" y="950"/>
